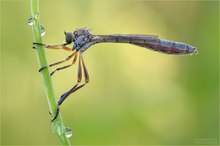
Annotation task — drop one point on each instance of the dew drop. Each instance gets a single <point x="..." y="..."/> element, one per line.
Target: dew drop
<point x="42" y="30"/>
<point x="30" y="21"/>
<point x="196" y="52"/>
<point x="68" y="132"/>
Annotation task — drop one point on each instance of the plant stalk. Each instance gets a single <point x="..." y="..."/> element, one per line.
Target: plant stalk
<point x="58" y="125"/>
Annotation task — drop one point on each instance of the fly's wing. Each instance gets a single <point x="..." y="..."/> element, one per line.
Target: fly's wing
<point x="146" y="41"/>
<point x="141" y="40"/>
<point x="127" y="38"/>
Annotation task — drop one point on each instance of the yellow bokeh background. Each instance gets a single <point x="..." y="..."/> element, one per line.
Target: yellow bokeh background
<point x="135" y="96"/>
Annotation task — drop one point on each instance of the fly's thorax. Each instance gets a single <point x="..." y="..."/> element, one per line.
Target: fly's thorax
<point x="81" y="37"/>
<point x="79" y="42"/>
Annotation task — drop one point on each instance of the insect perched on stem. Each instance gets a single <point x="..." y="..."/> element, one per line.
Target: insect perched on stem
<point x="83" y="39"/>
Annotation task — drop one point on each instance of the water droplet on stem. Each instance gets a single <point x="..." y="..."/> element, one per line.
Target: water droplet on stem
<point x="42" y="30"/>
<point x="30" y="21"/>
<point x="68" y="132"/>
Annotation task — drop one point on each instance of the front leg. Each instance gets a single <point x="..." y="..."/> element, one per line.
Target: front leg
<point x="54" y="46"/>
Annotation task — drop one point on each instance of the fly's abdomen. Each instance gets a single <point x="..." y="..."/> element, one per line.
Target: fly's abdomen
<point x="169" y="47"/>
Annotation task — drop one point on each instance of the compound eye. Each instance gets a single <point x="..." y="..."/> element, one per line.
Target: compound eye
<point x="69" y="37"/>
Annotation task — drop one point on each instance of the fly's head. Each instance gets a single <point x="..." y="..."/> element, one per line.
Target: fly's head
<point x="81" y="37"/>
<point x="69" y="37"/>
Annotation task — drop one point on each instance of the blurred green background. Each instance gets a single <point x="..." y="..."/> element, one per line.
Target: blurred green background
<point x="135" y="95"/>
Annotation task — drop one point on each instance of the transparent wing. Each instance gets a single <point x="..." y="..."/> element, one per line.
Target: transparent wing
<point x="127" y="38"/>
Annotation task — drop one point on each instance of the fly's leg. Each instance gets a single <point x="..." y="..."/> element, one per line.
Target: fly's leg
<point x="86" y="74"/>
<point x="54" y="46"/>
<point x="64" y="67"/>
<point x="75" y="87"/>
<point x="59" y="62"/>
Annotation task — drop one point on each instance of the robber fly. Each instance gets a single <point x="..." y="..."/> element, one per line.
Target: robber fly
<point x="83" y="39"/>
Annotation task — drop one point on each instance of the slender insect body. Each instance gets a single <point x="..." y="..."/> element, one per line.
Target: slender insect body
<point x="83" y="39"/>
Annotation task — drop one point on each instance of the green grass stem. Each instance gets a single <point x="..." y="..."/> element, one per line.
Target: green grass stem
<point x="58" y="125"/>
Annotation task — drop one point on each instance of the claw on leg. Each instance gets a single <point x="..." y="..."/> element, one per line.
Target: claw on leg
<point x="36" y="43"/>
<point x="42" y="68"/>
<point x="56" y="114"/>
<point x="34" y="47"/>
